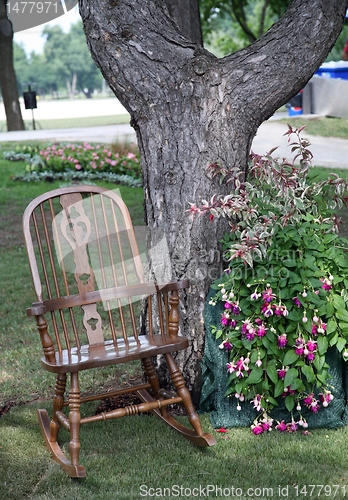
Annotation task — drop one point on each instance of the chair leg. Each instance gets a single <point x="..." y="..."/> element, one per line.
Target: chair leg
<point x="58" y="402"/>
<point x="196" y="436"/>
<point x="152" y="378"/>
<point x="50" y="429"/>
<point x="74" y="419"/>
<point x="183" y="392"/>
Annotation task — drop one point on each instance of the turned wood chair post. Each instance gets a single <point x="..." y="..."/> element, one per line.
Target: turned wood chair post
<point x="183" y="392"/>
<point x="173" y="323"/>
<point x="74" y="418"/>
<point x="46" y="340"/>
<point x="58" y="402"/>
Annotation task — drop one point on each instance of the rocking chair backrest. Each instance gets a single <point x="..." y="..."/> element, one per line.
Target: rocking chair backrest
<point x="82" y="252"/>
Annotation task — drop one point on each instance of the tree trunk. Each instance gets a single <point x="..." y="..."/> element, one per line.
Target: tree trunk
<point x="190" y="109"/>
<point x="8" y="83"/>
<point x="71" y="87"/>
<point x="186" y="14"/>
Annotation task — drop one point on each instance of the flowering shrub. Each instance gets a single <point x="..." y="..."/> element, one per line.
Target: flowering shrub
<point x="284" y="292"/>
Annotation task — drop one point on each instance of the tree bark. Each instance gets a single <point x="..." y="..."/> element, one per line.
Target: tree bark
<point x="8" y="82"/>
<point x="186" y="14"/>
<point x="190" y="109"/>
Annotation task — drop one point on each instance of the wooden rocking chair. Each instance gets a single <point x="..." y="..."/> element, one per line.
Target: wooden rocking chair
<point x="87" y="272"/>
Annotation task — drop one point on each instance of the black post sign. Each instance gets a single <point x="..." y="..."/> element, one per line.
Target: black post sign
<point x="30" y="102"/>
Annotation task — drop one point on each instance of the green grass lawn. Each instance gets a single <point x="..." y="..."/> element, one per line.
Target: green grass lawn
<point x="322" y="126"/>
<point x="137" y="457"/>
<point x="89" y="121"/>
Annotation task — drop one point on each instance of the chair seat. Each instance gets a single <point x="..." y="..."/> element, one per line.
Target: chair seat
<point x="104" y="354"/>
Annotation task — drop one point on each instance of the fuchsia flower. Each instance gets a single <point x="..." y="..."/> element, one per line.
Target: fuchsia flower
<point x="297" y="302"/>
<point x="282" y="427"/>
<point x="267" y="310"/>
<point x="292" y="426"/>
<point x="257" y="402"/>
<point x="227" y="345"/>
<point x="225" y="319"/>
<point x="282" y="340"/>
<point x="326" y="398"/>
<point x="261" y="331"/>
<point x="327" y="283"/>
<point x="281" y="373"/>
<point x="311" y="403"/>
<point x="268" y="295"/>
<point x="257" y="429"/>
<point x="239" y="367"/>
<point x="311" y="345"/>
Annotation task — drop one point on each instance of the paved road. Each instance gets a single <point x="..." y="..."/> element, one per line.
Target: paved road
<point x="328" y="152"/>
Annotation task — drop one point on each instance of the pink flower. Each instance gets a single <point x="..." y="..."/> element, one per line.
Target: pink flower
<point x="299" y="351"/>
<point x="78" y="166"/>
<point x="282" y="340"/>
<point x="326" y="398"/>
<point x="281" y="426"/>
<point x="267" y="310"/>
<point x="327" y="283"/>
<point x="224" y="319"/>
<point x="250" y="335"/>
<point x="281" y="373"/>
<point x="297" y="302"/>
<point x="310" y="356"/>
<point x="261" y="331"/>
<point x="257" y="429"/>
<point x="311" y="345"/>
<point x="268" y="295"/>
<point x="227" y="345"/>
<point x="236" y="309"/>
<point x="292" y="427"/>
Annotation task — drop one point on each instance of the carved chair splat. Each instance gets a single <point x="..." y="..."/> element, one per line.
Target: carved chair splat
<point x="87" y="274"/>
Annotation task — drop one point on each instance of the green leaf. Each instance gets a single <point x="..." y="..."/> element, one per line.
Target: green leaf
<point x="331" y="326"/>
<point x="308" y="372"/>
<point x="333" y="340"/>
<point x="319" y="362"/>
<point x="255" y="375"/>
<point x="342" y="314"/>
<point x="289" y="358"/>
<point x="290" y="403"/>
<point x="341" y="343"/>
<point x="289" y="263"/>
<point x="272" y="373"/>
<point x="279" y="388"/>
<point x="338" y="302"/>
<point x="290" y="376"/>
<point x="297" y="385"/>
<point x="322" y="344"/>
<point x="271" y="400"/>
<point x="330" y="309"/>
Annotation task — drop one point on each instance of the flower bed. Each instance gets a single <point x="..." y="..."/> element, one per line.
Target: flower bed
<point x="284" y="294"/>
<point x="78" y="162"/>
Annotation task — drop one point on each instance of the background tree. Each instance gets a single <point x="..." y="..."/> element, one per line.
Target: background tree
<point x="69" y="60"/>
<point x="190" y="110"/>
<point x="230" y="25"/>
<point x="8" y="83"/>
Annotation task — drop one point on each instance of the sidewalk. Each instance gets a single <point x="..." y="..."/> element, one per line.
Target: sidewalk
<point x="328" y="152"/>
